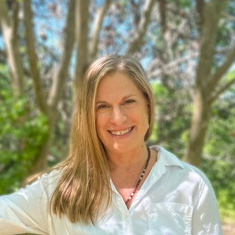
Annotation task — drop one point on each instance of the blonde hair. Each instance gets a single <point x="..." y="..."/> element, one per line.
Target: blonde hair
<point x="83" y="192"/>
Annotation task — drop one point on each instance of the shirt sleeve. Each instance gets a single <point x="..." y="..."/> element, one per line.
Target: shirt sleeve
<point x="206" y="219"/>
<point x="26" y="211"/>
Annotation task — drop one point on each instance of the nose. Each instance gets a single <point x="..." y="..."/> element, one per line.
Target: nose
<point x="118" y="115"/>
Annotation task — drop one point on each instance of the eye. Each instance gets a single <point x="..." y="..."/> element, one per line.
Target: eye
<point x="129" y="101"/>
<point x="103" y="106"/>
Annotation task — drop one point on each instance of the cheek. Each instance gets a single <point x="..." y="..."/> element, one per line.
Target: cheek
<point x="100" y="123"/>
<point x="141" y="119"/>
<point x="144" y="115"/>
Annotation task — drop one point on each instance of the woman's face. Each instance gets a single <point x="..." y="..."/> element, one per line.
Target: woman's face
<point x="121" y="113"/>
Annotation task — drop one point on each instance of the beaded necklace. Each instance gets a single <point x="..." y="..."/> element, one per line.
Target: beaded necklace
<point x="140" y="178"/>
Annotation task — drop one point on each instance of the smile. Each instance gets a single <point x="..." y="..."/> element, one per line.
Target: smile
<point x="123" y="132"/>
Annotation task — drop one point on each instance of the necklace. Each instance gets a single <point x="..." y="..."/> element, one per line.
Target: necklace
<point x="140" y="178"/>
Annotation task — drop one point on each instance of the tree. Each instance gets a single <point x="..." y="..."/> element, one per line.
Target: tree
<point x="46" y="105"/>
<point x="9" y="25"/>
<point x="208" y="76"/>
<point x="191" y="52"/>
<point x="78" y="33"/>
<point x="172" y="38"/>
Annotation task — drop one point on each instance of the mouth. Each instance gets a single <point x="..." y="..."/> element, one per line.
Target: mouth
<point x="122" y="132"/>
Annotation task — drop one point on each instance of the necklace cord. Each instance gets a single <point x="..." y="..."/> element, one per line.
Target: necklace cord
<point x="140" y="179"/>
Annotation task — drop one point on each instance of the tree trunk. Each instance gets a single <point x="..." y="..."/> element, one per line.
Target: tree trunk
<point x="41" y="158"/>
<point x="49" y="107"/>
<point x="82" y="26"/>
<point x="206" y="80"/>
<point x="199" y="126"/>
<point x="33" y="59"/>
<point x="9" y="25"/>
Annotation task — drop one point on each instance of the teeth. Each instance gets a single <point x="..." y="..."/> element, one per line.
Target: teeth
<point x="121" y="132"/>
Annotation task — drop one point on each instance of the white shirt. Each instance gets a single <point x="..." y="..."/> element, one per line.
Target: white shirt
<point x="176" y="198"/>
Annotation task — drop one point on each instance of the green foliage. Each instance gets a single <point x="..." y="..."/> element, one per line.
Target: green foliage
<point x="158" y="91"/>
<point x="173" y="117"/>
<point x="219" y="155"/>
<point x="22" y="133"/>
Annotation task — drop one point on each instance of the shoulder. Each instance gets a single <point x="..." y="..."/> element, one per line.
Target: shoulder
<point x="28" y="208"/>
<point x="41" y="187"/>
<point x="47" y="181"/>
<point x="50" y="176"/>
<point x="181" y="169"/>
<point x="196" y="172"/>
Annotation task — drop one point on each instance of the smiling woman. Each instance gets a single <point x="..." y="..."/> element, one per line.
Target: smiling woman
<point x="111" y="182"/>
<point x="121" y="116"/>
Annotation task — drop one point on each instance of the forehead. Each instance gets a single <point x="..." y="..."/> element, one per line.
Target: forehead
<point x="116" y="84"/>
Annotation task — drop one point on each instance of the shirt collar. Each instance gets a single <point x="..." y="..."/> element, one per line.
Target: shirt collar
<point x="167" y="158"/>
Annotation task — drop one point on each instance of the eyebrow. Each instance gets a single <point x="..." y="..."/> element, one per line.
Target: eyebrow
<point x="125" y="97"/>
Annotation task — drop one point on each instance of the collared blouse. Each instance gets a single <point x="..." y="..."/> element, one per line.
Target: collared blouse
<point x="175" y="199"/>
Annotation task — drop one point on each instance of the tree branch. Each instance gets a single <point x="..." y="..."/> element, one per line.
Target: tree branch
<point x="96" y="29"/>
<point x="15" y="19"/>
<point x="162" y="11"/>
<point x="200" y="6"/>
<point x="62" y="72"/>
<point x="214" y="78"/>
<point x="33" y="60"/>
<point x="10" y="37"/>
<point x="3" y="13"/>
<point x="144" y="22"/>
<point x="136" y="13"/>
<point x="170" y="67"/>
<point x="82" y="18"/>
<point x="211" y="13"/>
<point x="221" y="90"/>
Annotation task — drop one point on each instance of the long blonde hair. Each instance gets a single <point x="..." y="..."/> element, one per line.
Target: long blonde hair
<point x="83" y="192"/>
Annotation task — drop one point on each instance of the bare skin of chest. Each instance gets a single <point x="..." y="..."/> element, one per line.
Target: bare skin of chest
<point x="125" y="179"/>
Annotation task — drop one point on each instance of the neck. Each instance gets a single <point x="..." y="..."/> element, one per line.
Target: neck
<point x="127" y="160"/>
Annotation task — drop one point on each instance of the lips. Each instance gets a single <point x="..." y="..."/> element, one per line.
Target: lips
<point x="121" y="132"/>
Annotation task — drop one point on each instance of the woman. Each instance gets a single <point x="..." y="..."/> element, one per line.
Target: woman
<point x="111" y="182"/>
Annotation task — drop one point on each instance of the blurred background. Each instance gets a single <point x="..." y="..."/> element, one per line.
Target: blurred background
<point x="187" y="48"/>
